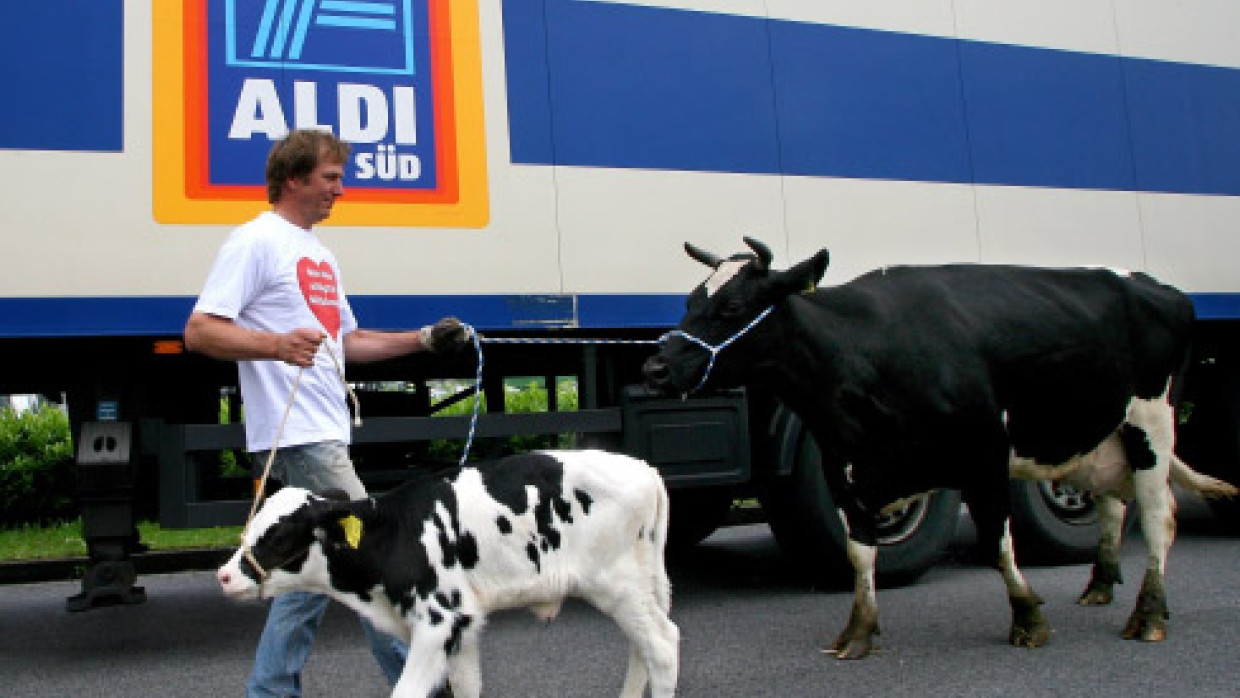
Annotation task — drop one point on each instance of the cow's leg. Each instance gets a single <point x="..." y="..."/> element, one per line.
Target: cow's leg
<point x="1029" y="627"/>
<point x="1106" y="571"/>
<point x="1148" y="438"/>
<point x="857" y="639"/>
<point x="991" y="512"/>
<point x="1149" y="619"/>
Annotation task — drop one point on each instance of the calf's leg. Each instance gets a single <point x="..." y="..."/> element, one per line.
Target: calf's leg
<point x="654" y="641"/>
<point x="437" y="648"/>
<point x="465" y="667"/>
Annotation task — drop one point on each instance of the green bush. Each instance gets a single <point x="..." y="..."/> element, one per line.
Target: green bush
<point x="528" y="396"/>
<point x="37" y="475"/>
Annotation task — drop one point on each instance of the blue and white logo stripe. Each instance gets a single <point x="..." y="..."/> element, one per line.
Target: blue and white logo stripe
<point x="305" y="33"/>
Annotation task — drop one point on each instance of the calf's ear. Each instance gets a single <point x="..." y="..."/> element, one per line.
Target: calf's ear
<point x="802" y="277"/>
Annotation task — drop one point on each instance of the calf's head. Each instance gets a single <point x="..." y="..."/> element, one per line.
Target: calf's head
<point x="720" y="315"/>
<point x="281" y="549"/>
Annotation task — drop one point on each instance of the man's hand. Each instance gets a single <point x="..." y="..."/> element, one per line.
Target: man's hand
<point x="446" y="336"/>
<point x="299" y="346"/>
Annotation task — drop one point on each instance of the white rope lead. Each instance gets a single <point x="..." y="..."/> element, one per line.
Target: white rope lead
<point x="261" y="488"/>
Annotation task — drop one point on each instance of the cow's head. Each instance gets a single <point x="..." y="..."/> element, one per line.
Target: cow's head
<point x="281" y="549"/>
<point x="721" y="312"/>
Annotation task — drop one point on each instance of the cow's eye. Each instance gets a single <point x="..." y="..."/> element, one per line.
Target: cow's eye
<point x="732" y="309"/>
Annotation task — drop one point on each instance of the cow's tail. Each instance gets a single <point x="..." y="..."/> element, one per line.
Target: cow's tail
<point x="1206" y="486"/>
<point x="658" y="564"/>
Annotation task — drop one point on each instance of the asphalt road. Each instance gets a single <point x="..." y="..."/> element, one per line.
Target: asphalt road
<point x="749" y="628"/>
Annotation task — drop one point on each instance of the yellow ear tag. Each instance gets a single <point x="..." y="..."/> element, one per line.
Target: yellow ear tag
<point x="352" y="530"/>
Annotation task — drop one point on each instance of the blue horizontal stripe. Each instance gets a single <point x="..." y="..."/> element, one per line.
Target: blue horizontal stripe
<point x="621" y="86"/>
<point x="165" y="316"/>
<point x="375" y="8"/>
<point x="356" y="22"/>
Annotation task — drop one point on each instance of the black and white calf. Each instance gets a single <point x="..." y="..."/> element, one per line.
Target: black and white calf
<point x="429" y="560"/>
<point x="917" y="378"/>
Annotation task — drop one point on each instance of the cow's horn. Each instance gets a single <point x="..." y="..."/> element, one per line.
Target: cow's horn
<point x="763" y="252"/>
<point x="702" y="255"/>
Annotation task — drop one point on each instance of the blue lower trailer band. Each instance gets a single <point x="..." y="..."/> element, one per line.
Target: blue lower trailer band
<point x="165" y="316"/>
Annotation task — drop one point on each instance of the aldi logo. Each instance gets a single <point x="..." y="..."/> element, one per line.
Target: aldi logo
<point x="400" y="80"/>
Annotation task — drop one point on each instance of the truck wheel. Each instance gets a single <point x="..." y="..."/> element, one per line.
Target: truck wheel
<point x="695" y="514"/>
<point x="1053" y="523"/>
<point x="804" y="519"/>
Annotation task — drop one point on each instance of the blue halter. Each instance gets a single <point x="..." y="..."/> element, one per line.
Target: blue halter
<point x="715" y="349"/>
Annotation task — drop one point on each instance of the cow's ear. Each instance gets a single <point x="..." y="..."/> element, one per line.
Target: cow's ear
<point x="800" y="278"/>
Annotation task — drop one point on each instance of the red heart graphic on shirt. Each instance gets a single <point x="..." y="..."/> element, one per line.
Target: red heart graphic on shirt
<point x="318" y="285"/>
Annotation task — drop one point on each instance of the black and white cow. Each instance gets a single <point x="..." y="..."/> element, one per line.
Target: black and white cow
<point x="918" y="378"/>
<point x="427" y="561"/>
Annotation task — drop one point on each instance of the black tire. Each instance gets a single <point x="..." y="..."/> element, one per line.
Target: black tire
<point x="1053" y="524"/>
<point x="803" y="517"/>
<point x="695" y="514"/>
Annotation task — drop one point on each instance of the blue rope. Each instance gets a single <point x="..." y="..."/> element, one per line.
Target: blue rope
<point x="479" y="340"/>
<point x="715" y="349"/>
<point x="541" y="340"/>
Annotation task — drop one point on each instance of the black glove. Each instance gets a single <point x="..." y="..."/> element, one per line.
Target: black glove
<point x="447" y="335"/>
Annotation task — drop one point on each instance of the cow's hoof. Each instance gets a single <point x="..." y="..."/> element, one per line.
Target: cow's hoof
<point x="1097" y="596"/>
<point x="1029" y="626"/>
<point x="1145" y="629"/>
<point x="852" y="648"/>
<point x="1030" y="636"/>
<point x="853" y="643"/>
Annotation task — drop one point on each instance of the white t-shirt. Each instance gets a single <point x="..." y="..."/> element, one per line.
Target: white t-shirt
<point x="273" y="276"/>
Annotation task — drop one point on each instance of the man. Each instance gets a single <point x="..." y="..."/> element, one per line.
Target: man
<point x="271" y="301"/>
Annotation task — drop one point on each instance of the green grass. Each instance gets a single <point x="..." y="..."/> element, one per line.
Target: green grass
<point x="65" y="540"/>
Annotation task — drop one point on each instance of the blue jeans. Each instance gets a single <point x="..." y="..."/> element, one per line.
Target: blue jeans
<point x="294" y="618"/>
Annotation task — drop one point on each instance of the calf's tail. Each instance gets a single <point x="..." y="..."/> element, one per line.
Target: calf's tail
<point x="662" y="584"/>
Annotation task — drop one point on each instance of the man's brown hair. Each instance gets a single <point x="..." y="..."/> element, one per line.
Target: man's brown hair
<point x="298" y="154"/>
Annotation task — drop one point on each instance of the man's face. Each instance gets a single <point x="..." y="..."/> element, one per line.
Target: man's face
<point x="315" y="194"/>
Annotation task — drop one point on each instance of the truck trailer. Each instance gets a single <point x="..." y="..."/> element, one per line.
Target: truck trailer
<point x="534" y="166"/>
